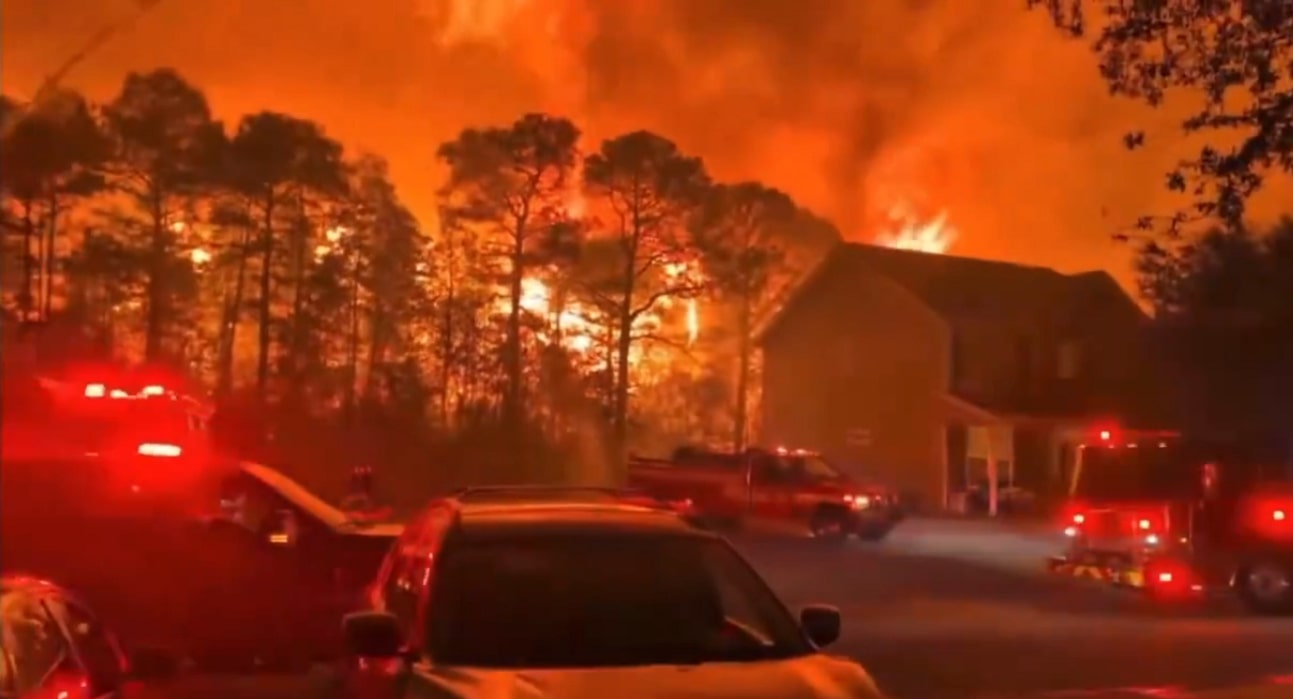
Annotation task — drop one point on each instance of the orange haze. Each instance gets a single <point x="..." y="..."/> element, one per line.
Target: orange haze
<point x="974" y="109"/>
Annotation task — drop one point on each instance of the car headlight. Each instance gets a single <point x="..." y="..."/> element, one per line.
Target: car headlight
<point x="858" y="502"/>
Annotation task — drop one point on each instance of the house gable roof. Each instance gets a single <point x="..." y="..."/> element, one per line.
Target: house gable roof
<point x="954" y="286"/>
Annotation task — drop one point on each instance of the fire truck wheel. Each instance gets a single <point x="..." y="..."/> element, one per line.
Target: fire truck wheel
<point x="1266" y="587"/>
<point x="829" y="524"/>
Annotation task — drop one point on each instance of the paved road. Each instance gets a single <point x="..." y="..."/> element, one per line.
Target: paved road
<point x="952" y="610"/>
<point x="948" y="609"/>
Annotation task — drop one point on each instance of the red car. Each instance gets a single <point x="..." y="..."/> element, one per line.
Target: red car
<point x="52" y="646"/>
<point x="782" y="489"/>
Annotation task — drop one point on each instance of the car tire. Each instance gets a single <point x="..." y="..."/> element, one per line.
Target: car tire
<point x="875" y="532"/>
<point x="829" y="524"/>
<point x="1266" y="587"/>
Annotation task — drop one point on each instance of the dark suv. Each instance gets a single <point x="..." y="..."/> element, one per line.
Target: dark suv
<point x="241" y="569"/>
<point x="589" y="595"/>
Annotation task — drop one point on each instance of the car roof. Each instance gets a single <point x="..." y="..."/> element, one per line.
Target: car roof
<point x="30" y="585"/>
<point x="571" y="518"/>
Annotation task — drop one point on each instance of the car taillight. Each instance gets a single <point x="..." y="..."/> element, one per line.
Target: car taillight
<point x="159" y="449"/>
<point x="1279" y="515"/>
<point x="95" y="390"/>
<point x="153" y="390"/>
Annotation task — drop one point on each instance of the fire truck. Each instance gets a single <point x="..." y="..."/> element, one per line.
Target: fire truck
<point x="779" y="490"/>
<point x="1181" y="517"/>
<point x="112" y="487"/>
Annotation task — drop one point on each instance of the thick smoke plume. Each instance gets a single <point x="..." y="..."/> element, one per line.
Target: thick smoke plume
<point x="976" y="109"/>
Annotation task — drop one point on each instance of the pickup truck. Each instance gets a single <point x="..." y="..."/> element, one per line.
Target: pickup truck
<point x="783" y="490"/>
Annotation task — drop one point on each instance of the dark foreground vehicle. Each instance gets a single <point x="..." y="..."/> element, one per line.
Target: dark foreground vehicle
<point x="52" y="646"/>
<point x="244" y="567"/>
<point x="790" y="490"/>
<point x="582" y="599"/>
<point x="114" y="489"/>
<point x="1180" y="517"/>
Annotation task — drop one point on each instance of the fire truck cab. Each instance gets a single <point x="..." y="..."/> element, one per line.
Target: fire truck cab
<point x="1181" y="517"/>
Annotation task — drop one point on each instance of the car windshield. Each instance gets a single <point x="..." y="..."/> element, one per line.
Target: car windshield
<point x="812" y="467"/>
<point x="586" y="601"/>
<point x="1143" y="473"/>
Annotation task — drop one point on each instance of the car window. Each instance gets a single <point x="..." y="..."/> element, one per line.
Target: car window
<point x="248" y="502"/>
<point x="32" y="639"/>
<point x="587" y="601"/>
<point x="97" y="649"/>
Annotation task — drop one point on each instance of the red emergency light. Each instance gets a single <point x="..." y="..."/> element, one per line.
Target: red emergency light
<point x="101" y="390"/>
<point x="159" y="449"/>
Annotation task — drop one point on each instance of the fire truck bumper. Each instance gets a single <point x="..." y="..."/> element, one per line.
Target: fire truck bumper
<point x="1164" y="578"/>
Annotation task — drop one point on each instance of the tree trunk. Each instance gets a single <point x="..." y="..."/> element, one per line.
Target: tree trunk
<point x="232" y="317"/>
<point x="352" y="349"/>
<point x="745" y="349"/>
<point x="300" y="331"/>
<point x="512" y="343"/>
<point x="27" y="297"/>
<point x="377" y="345"/>
<point x="447" y="334"/>
<point x="47" y="258"/>
<point x="266" y="277"/>
<point x="623" y="345"/>
<point x="154" y="330"/>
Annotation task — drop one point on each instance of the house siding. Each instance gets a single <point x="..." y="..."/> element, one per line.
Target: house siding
<point x="860" y="371"/>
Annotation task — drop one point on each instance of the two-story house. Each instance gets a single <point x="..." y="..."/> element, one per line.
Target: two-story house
<point x="919" y="368"/>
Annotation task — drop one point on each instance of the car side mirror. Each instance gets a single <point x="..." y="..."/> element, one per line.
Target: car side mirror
<point x="821" y="623"/>
<point x="373" y="635"/>
<point x="153" y="665"/>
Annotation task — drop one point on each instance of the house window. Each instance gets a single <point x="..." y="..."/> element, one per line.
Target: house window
<point x="1069" y="360"/>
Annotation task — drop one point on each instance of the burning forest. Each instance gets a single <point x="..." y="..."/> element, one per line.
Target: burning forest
<point x="620" y="283"/>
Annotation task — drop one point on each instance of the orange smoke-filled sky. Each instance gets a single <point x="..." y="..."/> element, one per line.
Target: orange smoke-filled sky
<point x="977" y="108"/>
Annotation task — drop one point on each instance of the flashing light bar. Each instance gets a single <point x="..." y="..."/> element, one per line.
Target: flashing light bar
<point x="100" y="390"/>
<point x="159" y="449"/>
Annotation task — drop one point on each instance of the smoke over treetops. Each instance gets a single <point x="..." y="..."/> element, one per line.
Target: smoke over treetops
<point x="977" y="109"/>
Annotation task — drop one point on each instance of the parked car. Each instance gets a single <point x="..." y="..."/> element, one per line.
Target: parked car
<point x="54" y="647"/>
<point x="586" y="597"/>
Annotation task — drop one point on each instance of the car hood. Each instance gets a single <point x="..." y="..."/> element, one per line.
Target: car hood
<point x="811" y="677"/>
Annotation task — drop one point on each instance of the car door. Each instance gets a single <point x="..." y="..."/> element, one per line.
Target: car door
<point x="94" y="647"/>
<point x="247" y="581"/>
<point x="772" y="489"/>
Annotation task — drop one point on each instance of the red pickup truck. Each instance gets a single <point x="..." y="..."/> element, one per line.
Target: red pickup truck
<point x="781" y="489"/>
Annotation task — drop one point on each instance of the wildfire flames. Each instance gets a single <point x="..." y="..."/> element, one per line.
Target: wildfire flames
<point x="933" y="236"/>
